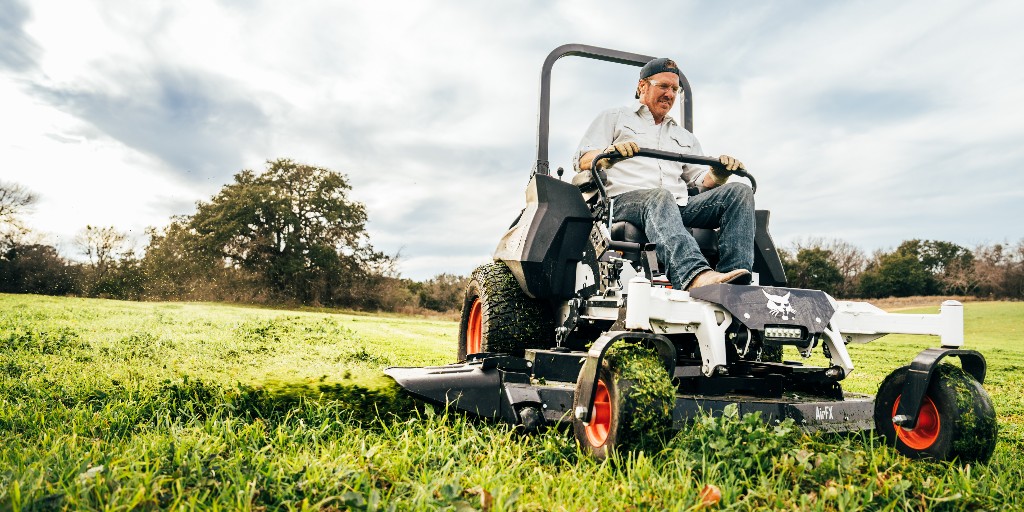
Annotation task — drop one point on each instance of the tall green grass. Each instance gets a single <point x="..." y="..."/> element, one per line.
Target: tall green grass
<point x="118" y="406"/>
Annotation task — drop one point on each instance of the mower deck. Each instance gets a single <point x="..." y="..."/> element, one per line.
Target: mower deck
<point x="499" y="387"/>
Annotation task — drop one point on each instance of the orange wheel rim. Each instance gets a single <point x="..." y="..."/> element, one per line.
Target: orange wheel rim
<point x="928" y="426"/>
<point x="474" y="328"/>
<point x="601" y="421"/>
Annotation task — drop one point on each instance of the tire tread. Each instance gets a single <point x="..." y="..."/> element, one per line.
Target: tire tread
<point x="512" y="321"/>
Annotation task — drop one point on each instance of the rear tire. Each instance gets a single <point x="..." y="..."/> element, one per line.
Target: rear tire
<point x="632" y="406"/>
<point x="498" y="317"/>
<point x="956" y="419"/>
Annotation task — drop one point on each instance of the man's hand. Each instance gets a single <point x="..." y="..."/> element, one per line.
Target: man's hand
<point x="731" y="164"/>
<point x="626" y="149"/>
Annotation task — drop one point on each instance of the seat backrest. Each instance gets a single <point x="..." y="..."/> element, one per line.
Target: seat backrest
<point x="707" y="239"/>
<point x="767" y="263"/>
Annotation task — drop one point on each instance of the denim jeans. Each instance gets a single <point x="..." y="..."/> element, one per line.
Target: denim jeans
<point x="729" y="208"/>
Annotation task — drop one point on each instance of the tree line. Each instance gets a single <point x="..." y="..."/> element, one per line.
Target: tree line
<point x="915" y="267"/>
<point x="291" y="234"/>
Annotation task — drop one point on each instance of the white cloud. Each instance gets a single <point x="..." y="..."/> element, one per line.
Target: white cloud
<point x="83" y="180"/>
<point x="872" y="121"/>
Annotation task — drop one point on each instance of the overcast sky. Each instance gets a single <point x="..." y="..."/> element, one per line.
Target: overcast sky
<point x="869" y="121"/>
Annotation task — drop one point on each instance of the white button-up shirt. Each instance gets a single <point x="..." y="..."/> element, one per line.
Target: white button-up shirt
<point x="636" y="124"/>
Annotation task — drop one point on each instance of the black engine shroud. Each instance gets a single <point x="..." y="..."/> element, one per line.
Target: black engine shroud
<point x="545" y="244"/>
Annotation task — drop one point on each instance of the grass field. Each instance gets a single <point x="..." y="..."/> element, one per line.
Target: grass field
<point x="120" y="405"/>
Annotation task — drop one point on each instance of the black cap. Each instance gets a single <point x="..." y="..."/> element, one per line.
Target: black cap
<point x="656" y="66"/>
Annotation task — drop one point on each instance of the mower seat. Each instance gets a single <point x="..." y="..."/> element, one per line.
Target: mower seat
<point x="767" y="263"/>
<point x="707" y="240"/>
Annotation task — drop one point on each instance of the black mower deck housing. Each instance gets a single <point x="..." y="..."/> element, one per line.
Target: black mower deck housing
<point x="499" y="387"/>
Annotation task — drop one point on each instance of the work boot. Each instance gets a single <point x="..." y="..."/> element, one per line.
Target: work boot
<point x="711" y="277"/>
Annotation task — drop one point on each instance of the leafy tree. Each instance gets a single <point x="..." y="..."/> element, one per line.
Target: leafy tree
<point x="920" y="267"/>
<point x="113" y="270"/>
<point x="37" y="268"/>
<point x="895" y="274"/>
<point x="381" y="292"/>
<point x="122" y="280"/>
<point x="814" y="269"/>
<point x="291" y="226"/>
<point x="27" y="267"/>
<point x="848" y="259"/>
<point x="951" y="264"/>
<point x="175" y="267"/>
<point x="937" y="256"/>
<point x="443" y="292"/>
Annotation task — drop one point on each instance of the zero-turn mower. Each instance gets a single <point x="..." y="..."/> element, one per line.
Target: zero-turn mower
<point x="574" y="321"/>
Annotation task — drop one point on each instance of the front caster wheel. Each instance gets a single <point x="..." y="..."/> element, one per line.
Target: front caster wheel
<point x="956" y="419"/>
<point x="632" y="404"/>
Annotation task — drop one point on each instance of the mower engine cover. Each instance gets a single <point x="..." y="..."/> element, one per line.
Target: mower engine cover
<point x="544" y="247"/>
<point x="758" y="307"/>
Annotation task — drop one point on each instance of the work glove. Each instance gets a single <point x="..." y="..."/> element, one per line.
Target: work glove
<point x="626" y="149"/>
<point x="731" y="164"/>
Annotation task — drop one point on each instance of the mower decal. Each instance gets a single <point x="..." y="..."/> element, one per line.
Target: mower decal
<point x="778" y="305"/>
<point x="823" y="412"/>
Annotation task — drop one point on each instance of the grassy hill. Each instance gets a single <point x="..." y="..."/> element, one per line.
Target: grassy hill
<point x="123" y="405"/>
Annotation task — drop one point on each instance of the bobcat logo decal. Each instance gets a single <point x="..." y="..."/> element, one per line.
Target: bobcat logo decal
<point x="778" y="305"/>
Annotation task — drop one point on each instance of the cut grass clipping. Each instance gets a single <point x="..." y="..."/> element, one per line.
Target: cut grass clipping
<point x="648" y="415"/>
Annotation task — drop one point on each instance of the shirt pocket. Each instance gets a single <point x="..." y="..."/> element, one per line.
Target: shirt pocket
<point x="679" y="145"/>
<point x="630" y="133"/>
<point x="682" y="146"/>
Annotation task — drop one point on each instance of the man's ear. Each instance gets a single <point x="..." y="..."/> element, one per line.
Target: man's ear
<point x="638" y="84"/>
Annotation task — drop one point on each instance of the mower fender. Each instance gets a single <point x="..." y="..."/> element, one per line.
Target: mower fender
<point x="588" y="375"/>
<point x="921" y="374"/>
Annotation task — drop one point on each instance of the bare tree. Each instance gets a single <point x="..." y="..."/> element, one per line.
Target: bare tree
<point x="960" y="277"/>
<point x="103" y="246"/>
<point x="999" y="270"/>
<point x="15" y="200"/>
